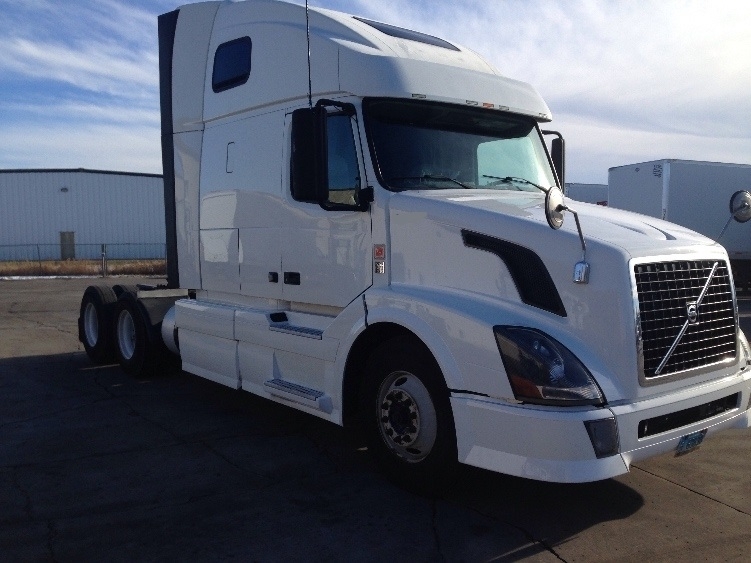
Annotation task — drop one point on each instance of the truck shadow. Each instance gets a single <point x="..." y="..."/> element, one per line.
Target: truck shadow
<point x="173" y="462"/>
<point x="551" y="513"/>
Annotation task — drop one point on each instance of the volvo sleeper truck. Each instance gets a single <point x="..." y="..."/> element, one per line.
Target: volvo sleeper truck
<point x="365" y="223"/>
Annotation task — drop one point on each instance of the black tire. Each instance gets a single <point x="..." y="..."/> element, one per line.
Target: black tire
<point x="95" y="323"/>
<point x="135" y="350"/>
<point x="407" y="419"/>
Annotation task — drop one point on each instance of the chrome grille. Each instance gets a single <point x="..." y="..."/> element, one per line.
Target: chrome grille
<point x="665" y="291"/>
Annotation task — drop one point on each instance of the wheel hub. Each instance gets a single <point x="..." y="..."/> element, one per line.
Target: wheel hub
<point x="91" y="324"/>
<point x="400" y="418"/>
<point x="126" y="335"/>
<point x="406" y="416"/>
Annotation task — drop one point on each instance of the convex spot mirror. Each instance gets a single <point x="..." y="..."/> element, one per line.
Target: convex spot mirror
<point x="554" y="207"/>
<point x="740" y="206"/>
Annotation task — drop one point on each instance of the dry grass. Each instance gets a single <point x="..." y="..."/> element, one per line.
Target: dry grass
<point x="83" y="268"/>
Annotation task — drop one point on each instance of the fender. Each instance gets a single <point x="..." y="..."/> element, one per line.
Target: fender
<point x="457" y="328"/>
<point x="463" y="344"/>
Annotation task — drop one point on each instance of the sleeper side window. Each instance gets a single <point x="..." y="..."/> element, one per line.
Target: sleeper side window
<point x="231" y="64"/>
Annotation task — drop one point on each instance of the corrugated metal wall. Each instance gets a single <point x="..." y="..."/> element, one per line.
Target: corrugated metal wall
<point x="98" y="207"/>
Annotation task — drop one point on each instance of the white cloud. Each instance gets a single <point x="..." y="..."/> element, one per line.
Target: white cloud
<point x="98" y="47"/>
<point x="625" y="80"/>
<point x="94" y="67"/>
<point x="647" y="80"/>
<point x="76" y="113"/>
<point x="81" y="85"/>
<point x="129" y="148"/>
<point x="593" y="147"/>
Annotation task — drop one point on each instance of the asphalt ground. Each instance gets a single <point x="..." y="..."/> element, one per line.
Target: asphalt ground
<point x="97" y="466"/>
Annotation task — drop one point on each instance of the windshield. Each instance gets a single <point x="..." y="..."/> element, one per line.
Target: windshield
<point x="420" y="145"/>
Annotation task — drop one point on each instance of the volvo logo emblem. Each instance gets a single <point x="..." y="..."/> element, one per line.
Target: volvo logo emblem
<point x="693" y="312"/>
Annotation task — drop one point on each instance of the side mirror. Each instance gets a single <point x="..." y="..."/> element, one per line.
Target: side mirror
<point x="740" y="209"/>
<point x="309" y="181"/>
<point x="740" y="206"/>
<point x="558" y="155"/>
<point x="554" y="207"/>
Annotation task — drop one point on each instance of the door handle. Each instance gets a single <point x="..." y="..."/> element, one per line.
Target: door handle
<point x="292" y="278"/>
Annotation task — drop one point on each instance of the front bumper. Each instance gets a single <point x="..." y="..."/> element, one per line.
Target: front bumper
<point x="552" y="443"/>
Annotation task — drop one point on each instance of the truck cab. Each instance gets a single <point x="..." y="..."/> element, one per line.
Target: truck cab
<point x="365" y="223"/>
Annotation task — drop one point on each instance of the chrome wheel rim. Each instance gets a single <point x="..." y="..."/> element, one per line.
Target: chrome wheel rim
<point x="126" y="334"/>
<point x="91" y="325"/>
<point x="406" y="416"/>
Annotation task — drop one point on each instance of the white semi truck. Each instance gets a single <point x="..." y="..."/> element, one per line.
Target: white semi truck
<point x="364" y="223"/>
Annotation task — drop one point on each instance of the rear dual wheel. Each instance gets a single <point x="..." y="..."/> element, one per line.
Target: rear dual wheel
<point x="94" y="323"/>
<point x="136" y="349"/>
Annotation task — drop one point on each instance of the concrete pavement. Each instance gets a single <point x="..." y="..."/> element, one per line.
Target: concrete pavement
<point x="95" y="465"/>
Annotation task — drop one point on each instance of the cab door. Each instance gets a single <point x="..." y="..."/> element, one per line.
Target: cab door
<point x="327" y="245"/>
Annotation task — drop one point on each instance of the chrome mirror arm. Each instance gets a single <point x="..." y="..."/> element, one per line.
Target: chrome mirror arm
<point x="581" y="268"/>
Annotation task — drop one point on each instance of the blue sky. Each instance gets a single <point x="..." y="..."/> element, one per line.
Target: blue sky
<point x="626" y="81"/>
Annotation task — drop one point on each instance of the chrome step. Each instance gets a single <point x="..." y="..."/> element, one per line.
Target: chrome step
<point x="299" y="394"/>
<point x="288" y="328"/>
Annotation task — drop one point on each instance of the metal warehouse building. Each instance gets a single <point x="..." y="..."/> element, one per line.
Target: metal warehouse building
<point x="70" y="213"/>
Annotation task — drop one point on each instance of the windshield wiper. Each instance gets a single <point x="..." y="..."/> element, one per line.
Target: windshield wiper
<point x="514" y="180"/>
<point x="431" y="177"/>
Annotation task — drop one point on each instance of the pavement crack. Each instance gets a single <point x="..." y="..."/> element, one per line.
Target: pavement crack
<point x="228" y="461"/>
<point x="40" y="324"/>
<point x="51" y="535"/>
<point x="180" y="440"/>
<point x="687" y="488"/>
<point x="436" y="533"/>
<point x="27" y="504"/>
<point x="102" y="386"/>
<point x="52" y="413"/>
<point x="97" y="455"/>
<point x="28" y="507"/>
<point x="526" y="533"/>
<point x="549" y="548"/>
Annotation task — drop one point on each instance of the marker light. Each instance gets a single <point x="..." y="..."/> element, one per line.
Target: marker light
<point x="604" y="436"/>
<point x="543" y="371"/>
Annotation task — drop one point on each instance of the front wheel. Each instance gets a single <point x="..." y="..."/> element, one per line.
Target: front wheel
<point x="407" y="419"/>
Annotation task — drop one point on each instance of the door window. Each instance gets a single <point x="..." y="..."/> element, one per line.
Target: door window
<point x="343" y="169"/>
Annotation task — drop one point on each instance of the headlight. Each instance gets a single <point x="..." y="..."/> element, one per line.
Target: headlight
<point x="541" y="370"/>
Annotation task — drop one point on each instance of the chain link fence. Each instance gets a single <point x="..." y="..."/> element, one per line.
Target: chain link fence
<point x="83" y="259"/>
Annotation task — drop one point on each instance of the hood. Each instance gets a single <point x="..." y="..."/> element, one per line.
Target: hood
<point x="631" y="233"/>
<point x="634" y="233"/>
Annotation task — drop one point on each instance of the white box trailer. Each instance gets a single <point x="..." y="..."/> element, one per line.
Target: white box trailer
<point x="367" y="226"/>
<point x="588" y="193"/>
<point x="693" y="194"/>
